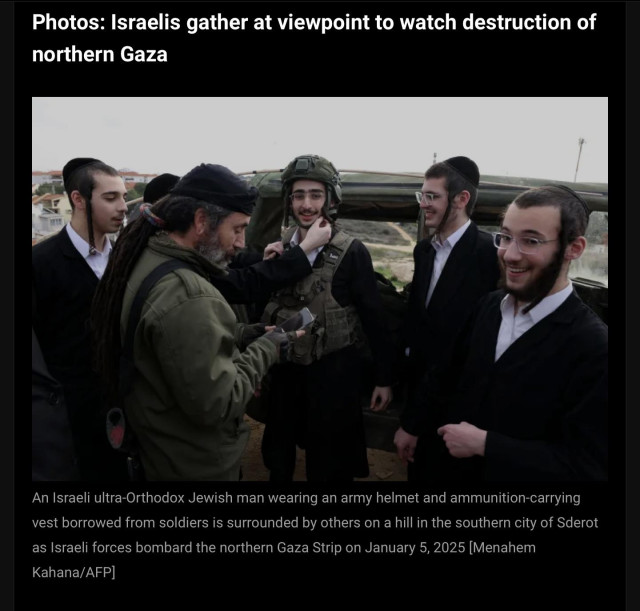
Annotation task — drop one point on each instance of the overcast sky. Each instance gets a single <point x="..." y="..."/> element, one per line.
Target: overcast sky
<point x="532" y="137"/>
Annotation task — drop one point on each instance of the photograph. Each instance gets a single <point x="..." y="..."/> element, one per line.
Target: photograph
<point x="367" y="280"/>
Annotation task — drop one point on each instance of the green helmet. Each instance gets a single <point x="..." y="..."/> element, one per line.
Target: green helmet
<point x="313" y="167"/>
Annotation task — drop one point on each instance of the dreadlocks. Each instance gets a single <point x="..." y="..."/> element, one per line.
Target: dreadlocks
<point x="170" y="213"/>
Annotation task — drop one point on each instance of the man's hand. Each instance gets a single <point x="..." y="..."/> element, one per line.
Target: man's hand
<point x="317" y="235"/>
<point x="463" y="440"/>
<point x="245" y="334"/>
<point x="380" y="398"/>
<point x="405" y="444"/>
<point x="272" y="250"/>
<point x="283" y="342"/>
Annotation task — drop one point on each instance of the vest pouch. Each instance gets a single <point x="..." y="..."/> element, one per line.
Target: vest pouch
<point x="339" y="329"/>
<point x="308" y="348"/>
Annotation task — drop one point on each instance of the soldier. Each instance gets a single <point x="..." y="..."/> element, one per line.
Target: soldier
<point x="249" y="279"/>
<point x="315" y="400"/>
<point x="192" y="383"/>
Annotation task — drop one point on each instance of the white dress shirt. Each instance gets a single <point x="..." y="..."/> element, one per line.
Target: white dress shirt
<point x="443" y="250"/>
<point x="295" y="240"/>
<point x="97" y="262"/>
<point x="514" y="325"/>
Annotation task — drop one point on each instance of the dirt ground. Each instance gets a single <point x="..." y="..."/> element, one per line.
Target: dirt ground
<point x="383" y="466"/>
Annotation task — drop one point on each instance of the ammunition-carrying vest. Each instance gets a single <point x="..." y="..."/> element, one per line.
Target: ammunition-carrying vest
<point x="334" y="327"/>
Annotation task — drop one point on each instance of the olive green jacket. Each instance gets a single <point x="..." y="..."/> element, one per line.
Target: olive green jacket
<point x="192" y="383"/>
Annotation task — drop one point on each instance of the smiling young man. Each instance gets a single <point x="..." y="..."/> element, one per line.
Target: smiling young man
<point x="66" y="269"/>
<point x="315" y="400"/>
<point x="454" y="267"/>
<point x="525" y="394"/>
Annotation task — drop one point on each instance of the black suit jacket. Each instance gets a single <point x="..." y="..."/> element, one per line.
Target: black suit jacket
<point x="471" y="272"/>
<point x="52" y="452"/>
<point x="63" y="288"/>
<point x="251" y="279"/>
<point x="544" y="402"/>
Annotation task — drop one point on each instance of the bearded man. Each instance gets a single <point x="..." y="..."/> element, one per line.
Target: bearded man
<point x="525" y="394"/>
<point x="192" y="382"/>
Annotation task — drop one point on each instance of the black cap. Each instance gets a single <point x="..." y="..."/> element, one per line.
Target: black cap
<point x="71" y="166"/>
<point x="569" y="190"/>
<point x="159" y="187"/>
<point x="217" y="185"/>
<point x="466" y="168"/>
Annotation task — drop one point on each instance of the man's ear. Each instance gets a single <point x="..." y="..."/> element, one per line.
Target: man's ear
<point x="575" y="249"/>
<point x="462" y="199"/>
<point x="79" y="202"/>
<point x="200" y="220"/>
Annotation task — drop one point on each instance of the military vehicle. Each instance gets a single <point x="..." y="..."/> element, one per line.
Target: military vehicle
<point x="372" y="199"/>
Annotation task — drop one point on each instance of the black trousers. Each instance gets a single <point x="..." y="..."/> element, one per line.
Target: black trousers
<point x="317" y="407"/>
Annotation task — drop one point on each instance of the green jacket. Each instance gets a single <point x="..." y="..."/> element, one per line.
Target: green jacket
<point x="192" y="383"/>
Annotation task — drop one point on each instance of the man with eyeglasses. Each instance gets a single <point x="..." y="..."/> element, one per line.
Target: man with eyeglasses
<point x="524" y="396"/>
<point x="315" y="400"/>
<point x="453" y="269"/>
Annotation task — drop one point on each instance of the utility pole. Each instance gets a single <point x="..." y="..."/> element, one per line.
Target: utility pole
<point x="434" y="157"/>
<point x="581" y="141"/>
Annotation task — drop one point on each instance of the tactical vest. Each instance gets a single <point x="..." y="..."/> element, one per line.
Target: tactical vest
<point x="334" y="327"/>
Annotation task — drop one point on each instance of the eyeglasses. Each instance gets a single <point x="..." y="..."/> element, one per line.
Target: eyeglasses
<point x="426" y="196"/>
<point x="300" y="196"/>
<point x="526" y="246"/>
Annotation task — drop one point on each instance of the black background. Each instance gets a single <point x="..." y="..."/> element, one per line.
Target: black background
<point x="571" y="568"/>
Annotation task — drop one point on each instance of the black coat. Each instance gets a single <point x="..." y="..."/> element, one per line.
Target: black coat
<point x="63" y="288"/>
<point x="319" y="406"/>
<point x="52" y="452"/>
<point x="251" y="279"/>
<point x="544" y="402"/>
<point x="471" y="271"/>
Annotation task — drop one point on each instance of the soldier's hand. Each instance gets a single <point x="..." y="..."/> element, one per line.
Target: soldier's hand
<point x="317" y="235"/>
<point x="283" y="342"/>
<point x="245" y="334"/>
<point x="272" y="250"/>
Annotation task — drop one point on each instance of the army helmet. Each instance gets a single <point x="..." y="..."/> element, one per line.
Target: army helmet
<point x="313" y="167"/>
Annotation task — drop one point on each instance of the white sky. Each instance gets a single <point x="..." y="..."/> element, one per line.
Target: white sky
<point x="532" y="137"/>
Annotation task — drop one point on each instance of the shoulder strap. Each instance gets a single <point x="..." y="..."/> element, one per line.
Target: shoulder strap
<point x="334" y="253"/>
<point x="127" y="367"/>
<point x="288" y="234"/>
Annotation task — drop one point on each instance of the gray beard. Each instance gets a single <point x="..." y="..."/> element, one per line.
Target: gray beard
<point x="210" y="249"/>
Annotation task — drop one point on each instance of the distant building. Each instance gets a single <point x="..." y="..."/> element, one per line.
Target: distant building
<point x="50" y="177"/>
<point x="44" y="221"/>
<point x="58" y="202"/>
<point x="133" y="177"/>
<point x="55" y="177"/>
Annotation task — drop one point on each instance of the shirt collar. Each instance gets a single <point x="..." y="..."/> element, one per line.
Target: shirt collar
<point x="452" y="240"/>
<point x="82" y="246"/>
<point x="295" y="237"/>
<point x="548" y="305"/>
